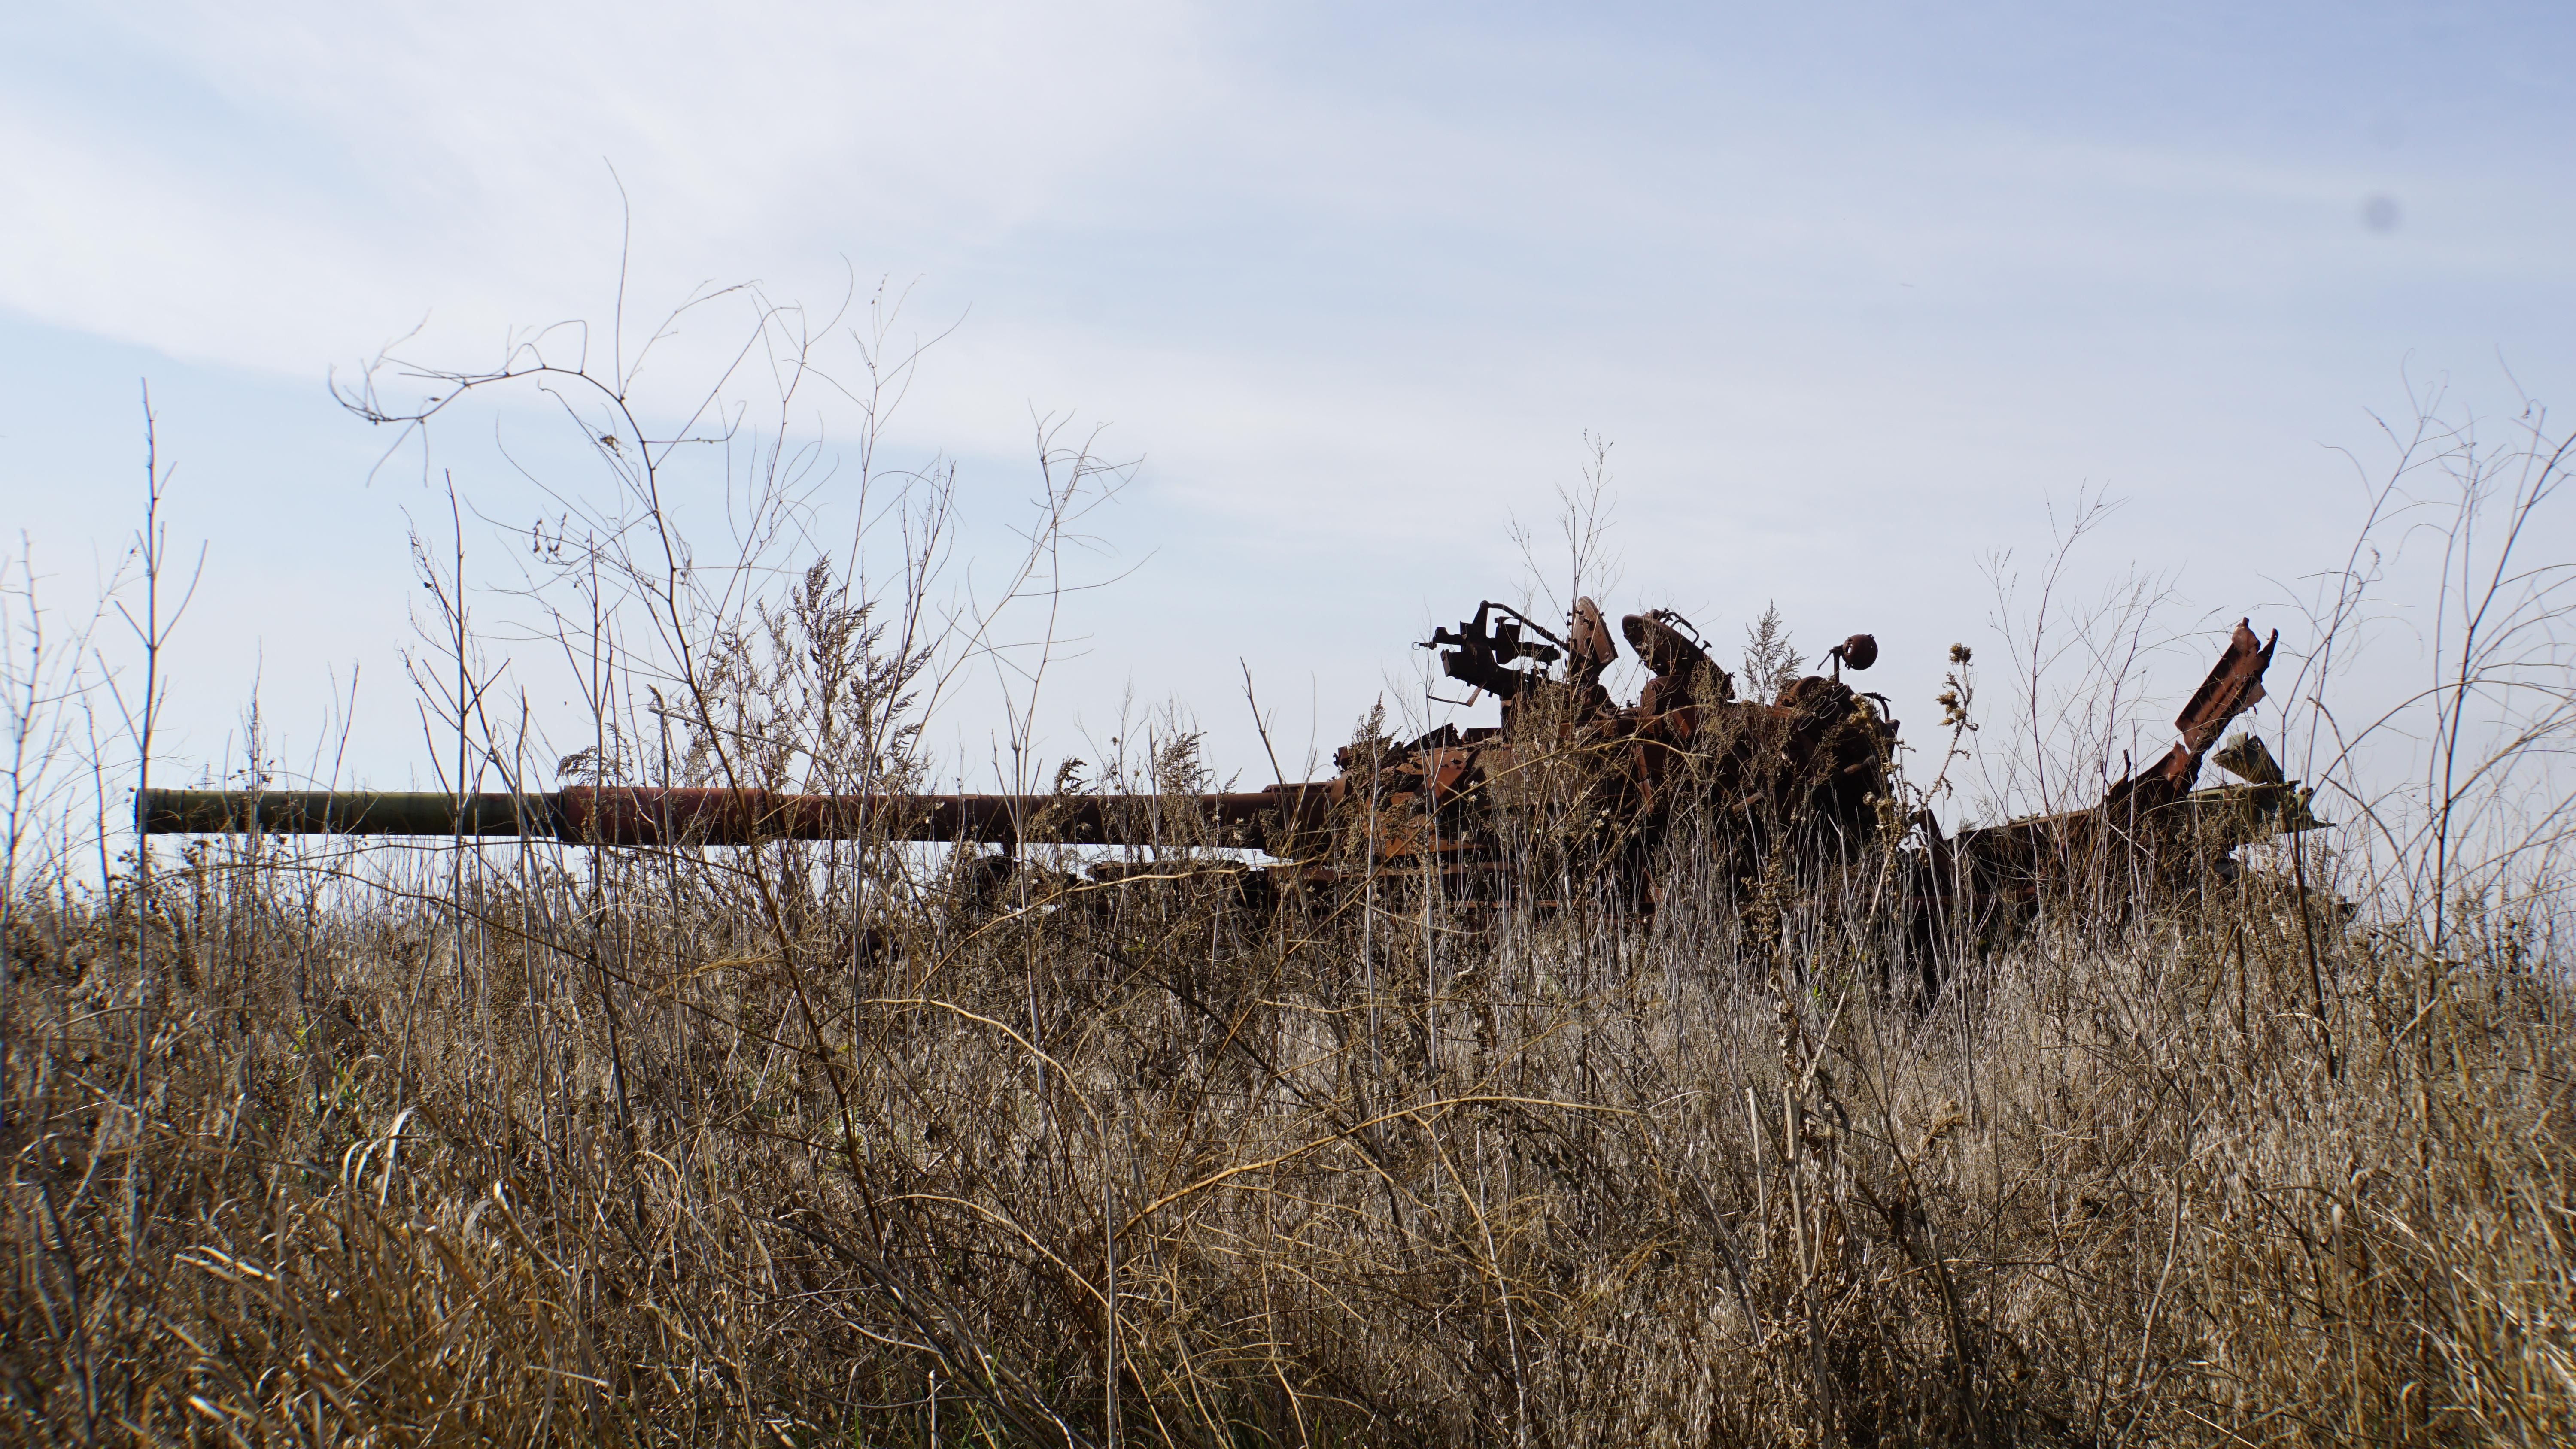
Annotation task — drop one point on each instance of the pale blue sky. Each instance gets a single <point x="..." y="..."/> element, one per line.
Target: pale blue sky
<point x="1856" y="290"/>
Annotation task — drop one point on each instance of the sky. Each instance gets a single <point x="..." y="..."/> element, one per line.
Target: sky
<point x="1866" y="301"/>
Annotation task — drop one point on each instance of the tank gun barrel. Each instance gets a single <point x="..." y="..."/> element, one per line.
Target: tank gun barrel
<point x="623" y="815"/>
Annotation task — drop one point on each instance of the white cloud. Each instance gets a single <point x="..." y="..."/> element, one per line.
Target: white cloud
<point x="1355" y="288"/>
<point x="408" y="158"/>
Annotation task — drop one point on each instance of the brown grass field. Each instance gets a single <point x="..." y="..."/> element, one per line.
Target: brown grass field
<point x="643" y="1156"/>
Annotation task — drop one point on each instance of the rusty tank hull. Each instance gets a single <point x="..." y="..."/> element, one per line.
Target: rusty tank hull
<point x="1571" y="787"/>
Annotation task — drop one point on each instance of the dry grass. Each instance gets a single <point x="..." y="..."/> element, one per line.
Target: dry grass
<point x="588" y="1161"/>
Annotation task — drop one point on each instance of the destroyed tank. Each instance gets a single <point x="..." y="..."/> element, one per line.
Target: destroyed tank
<point x="1571" y="794"/>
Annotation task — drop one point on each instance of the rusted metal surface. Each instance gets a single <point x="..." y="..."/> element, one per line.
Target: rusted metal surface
<point x="646" y="816"/>
<point x="2152" y="828"/>
<point x="2232" y="688"/>
<point x="1572" y="790"/>
<point x="1481" y="651"/>
<point x="2248" y="759"/>
<point x="643" y="816"/>
<point x="1590" y="650"/>
<point x="1574" y="783"/>
<point x="1860" y="651"/>
<point x="341" y="812"/>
